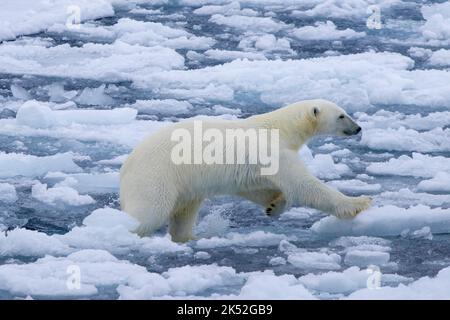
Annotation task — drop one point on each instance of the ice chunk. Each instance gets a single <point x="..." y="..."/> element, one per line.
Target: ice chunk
<point x="425" y="288"/>
<point x="87" y="182"/>
<point x="315" y="260"/>
<point x="252" y="239"/>
<point x="365" y="258"/>
<point x="277" y="261"/>
<point x="228" y="55"/>
<point x="202" y="255"/>
<point x="8" y="193"/>
<point x="109" y="62"/>
<point x="37" y="115"/>
<point x="419" y="165"/>
<point x="59" y="194"/>
<point x="347" y="281"/>
<point x="402" y="139"/>
<point x="266" y="285"/>
<point x="17" y="164"/>
<point x="355" y="186"/>
<point x="32" y="16"/>
<point x="49" y="276"/>
<point x="167" y="106"/>
<point x="23" y="242"/>
<point x="322" y="165"/>
<point x="200" y="278"/>
<point x="440" y="57"/>
<point x="424" y="233"/>
<point x="325" y="31"/>
<point x="95" y="97"/>
<point x="405" y="197"/>
<point x="19" y="92"/>
<point x="436" y="30"/>
<point x="386" y="221"/>
<point x="440" y="183"/>
<point x="245" y="23"/>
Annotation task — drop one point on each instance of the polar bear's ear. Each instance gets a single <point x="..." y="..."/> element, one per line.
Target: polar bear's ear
<point x="315" y="112"/>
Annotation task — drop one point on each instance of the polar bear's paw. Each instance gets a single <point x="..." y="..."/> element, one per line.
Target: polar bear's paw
<point x="351" y="206"/>
<point x="277" y="206"/>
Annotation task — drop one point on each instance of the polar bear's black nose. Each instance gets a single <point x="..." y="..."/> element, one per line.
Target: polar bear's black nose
<point x="358" y="129"/>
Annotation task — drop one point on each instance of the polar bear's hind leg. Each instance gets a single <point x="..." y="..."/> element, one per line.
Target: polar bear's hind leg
<point x="182" y="221"/>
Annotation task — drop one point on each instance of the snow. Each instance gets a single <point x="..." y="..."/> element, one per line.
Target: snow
<point x="118" y="61"/>
<point x="322" y="165"/>
<point x="27" y="17"/>
<point x="59" y="194"/>
<point x="325" y="31"/>
<point x="386" y="220"/>
<point x="436" y="30"/>
<point x="425" y="288"/>
<point x="418" y="165"/>
<point x="440" y="182"/>
<point x="315" y="260"/>
<point x="17" y="164"/>
<point x="8" y="193"/>
<point x="252" y="239"/>
<point x="245" y="23"/>
<point x="440" y="58"/>
<point x="402" y="139"/>
<point x="355" y="185"/>
<point x="167" y="106"/>
<point x="365" y="258"/>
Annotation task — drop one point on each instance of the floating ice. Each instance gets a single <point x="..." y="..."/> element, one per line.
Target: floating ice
<point x="252" y="239"/>
<point x="322" y="165"/>
<point x="403" y="139"/>
<point x="167" y="106"/>
<point x="245" y="23"/>
<point x="325" y="31"/>
<point x="425" y="288"/>
<point x="365" y="258"/>
<point x="436" y="30"/>
<point x="419" y="165"/>
<point x="355" y="186"/>
<point x="8" y="193"/>
<point x="95" y="96"/>
<point x="228" y="55"/>
<point x="386" y="221"/>
<point x="59" y="195"/>
<point x="17" y="164"/>
<point x="32" y="16"/>
<point x="36" y="115"/>
<point x="439" y="183"/>
<point x="315" y="260"/>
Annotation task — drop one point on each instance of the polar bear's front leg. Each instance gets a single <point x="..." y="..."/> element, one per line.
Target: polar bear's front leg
<point x="302" y="188"/>
<point x="182" y="221"/>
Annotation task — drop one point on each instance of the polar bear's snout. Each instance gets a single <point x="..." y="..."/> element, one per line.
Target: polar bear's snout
<point x="352" y="128"/>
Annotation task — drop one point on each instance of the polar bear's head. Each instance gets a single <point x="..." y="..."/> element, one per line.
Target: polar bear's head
<point x="331" y="119"/>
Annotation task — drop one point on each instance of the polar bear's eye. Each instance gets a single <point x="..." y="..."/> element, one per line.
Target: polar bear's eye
<point x="341" y="116"/>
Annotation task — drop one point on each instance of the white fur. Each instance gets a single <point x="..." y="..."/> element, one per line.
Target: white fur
<point x="155" y="191"/>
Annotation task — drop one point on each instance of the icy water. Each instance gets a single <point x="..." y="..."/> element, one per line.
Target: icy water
<point x="414" y="244"/>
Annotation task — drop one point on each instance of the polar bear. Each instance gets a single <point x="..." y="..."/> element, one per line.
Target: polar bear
<point x="155" y="188"/>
